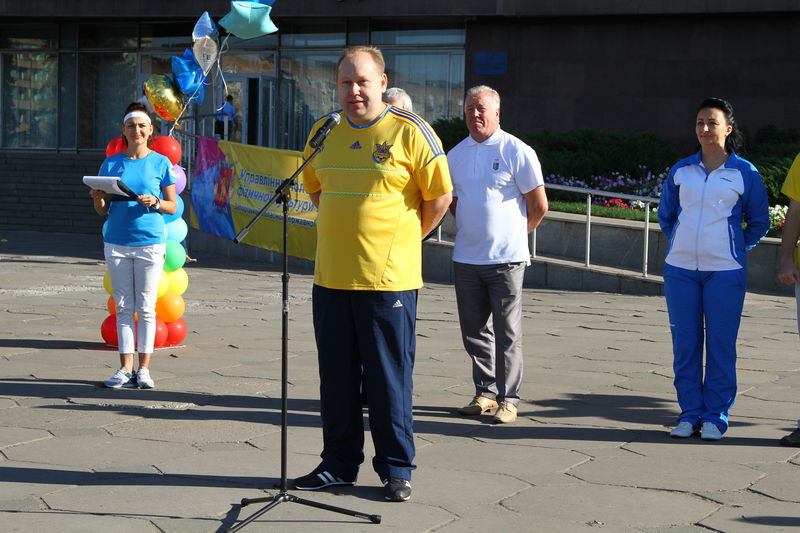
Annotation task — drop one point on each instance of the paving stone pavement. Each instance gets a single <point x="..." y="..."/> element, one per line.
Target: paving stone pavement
<point x="590" y="450"/>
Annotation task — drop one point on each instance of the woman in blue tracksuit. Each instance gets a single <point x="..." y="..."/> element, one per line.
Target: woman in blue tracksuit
<point x="705" y="199"/>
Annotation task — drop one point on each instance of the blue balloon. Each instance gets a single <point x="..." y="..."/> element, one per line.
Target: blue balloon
<point x="178" y="212"/>
<point x="189" y="76"/>
<point x="177" y="230"/>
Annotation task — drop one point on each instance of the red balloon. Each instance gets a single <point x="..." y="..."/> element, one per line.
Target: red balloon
<point x="177" y="332"/>
<point x="115" y="146"/>
<point x="108" y="330"/>
<point x="161" y="333"/>
<point x="167" y="146"/>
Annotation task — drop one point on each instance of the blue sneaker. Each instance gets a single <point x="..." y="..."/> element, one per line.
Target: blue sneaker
<point x="710" y="431"/>
<point x="683" y="430"/>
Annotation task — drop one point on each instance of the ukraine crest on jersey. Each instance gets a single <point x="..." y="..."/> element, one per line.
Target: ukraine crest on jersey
<point x="382" y="153"/>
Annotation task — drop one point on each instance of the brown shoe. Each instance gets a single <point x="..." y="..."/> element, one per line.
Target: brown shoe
<point x="505" y="414"/>
<point x="478" y="405"/>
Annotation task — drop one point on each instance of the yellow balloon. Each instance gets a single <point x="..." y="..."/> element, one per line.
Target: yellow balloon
<point x="107" y="283"/>
<point x="178" y="281"/>
<point x="163" y="284"/>
<point x="165" y="98"/>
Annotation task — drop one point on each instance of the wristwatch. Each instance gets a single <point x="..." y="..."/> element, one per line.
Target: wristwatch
<point x="158" y="205"/>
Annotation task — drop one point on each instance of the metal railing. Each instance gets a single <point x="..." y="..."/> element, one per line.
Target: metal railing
<point x="590" y="193"/>
<point x="188" y="135"/>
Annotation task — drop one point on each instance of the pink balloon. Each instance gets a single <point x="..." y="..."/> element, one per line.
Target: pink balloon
<point x="180" y="181"/>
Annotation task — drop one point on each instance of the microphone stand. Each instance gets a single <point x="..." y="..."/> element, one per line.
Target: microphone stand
<point x="282" y="196"/>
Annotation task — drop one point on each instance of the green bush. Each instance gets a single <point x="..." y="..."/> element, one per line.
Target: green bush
<point x="772" y="151"/>
<point x="451" y="131"/>
<point x="586" y="152"/>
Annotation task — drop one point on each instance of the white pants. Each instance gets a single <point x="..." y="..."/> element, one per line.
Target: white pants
<point x="135" y="272"/>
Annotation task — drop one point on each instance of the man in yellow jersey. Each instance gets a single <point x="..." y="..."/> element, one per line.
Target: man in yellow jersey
<point x="380" y="185"/>
<point x="788" y="272"/>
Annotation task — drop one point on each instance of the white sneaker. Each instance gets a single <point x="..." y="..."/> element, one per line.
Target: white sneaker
<point x="122" y="378"/>
<point x="144" y="379"/>
<point x="710" y="431"/>
<point x="683" y="430"/>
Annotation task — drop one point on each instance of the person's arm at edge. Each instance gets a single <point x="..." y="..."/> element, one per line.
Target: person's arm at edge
<point x="787" y="269"/>
<point x="169" y="205"/>
<point x="535" y="206"/>
<point x="314" y="196"/>
<point x="432" y="211"/>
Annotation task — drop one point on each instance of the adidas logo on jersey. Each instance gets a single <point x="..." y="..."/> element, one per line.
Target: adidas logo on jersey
<point x="397" y="304"/>
<point x="355" y="146"/>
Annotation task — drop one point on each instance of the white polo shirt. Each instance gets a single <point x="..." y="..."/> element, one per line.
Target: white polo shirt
<point x="489" y="179"/>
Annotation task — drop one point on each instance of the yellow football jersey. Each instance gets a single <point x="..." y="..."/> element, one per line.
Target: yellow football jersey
<point x="372" y="180"/>
<point x="791" y="187"/>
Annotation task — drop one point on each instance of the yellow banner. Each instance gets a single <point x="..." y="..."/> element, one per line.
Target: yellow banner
<point x="234" y="181"/>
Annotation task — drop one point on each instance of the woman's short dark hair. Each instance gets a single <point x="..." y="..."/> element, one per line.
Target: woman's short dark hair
<point x="734" y="142"/>
<point x="137" y="106"/>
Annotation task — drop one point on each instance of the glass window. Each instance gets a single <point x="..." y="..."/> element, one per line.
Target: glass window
<point x="416" y="34"/>
<point x="247" y="64"/>
<point x="67" y="119"/>
<point x="434" y="80"/>
<point x="307" y="92"/>
<point x="107" y="36"/>
<point x="176" y="35"/>
<point x="305" y="35"/>
<point x="156" y="64"/>
<point x="30" y="93"/>
<point x="28" y="36"/>
<point x="106" y="85"/>
<point x="256" y="43"/>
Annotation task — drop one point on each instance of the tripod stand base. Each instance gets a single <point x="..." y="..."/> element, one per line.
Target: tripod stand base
<point x="281" y="497"/>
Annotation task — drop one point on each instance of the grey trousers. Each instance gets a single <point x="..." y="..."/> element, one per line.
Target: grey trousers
<point x="489" y="299"/>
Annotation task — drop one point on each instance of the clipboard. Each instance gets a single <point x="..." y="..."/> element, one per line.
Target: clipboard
<point x="111" y="185"/>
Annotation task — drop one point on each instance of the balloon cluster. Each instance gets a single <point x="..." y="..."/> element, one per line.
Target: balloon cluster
<point x="169" y="96"/>
<point x="170" y="326"/>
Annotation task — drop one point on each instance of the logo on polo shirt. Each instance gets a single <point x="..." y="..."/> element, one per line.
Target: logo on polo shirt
<point x="496" y="164"/>
<point x="355" y="146"/>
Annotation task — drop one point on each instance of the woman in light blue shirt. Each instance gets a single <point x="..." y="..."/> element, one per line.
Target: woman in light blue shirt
<point x="135" y="239"/>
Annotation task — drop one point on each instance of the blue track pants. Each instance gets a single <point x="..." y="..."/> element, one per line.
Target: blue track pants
<point x="373" y="330"/>
<point x="714" y="299"/>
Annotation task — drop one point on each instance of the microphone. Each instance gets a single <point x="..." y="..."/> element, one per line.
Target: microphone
<point x="319" y="137"/>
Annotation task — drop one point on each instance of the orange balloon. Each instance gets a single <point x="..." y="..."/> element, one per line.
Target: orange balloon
<point x="116" y="145"/>
<point x="111" y="306"/>
<point x="170" y="307"/>
<point x="167" y="146"/>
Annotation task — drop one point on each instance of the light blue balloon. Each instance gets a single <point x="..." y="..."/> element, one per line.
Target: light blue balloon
<point x="177" y="230"/>
<point x="247" y="20"/>
<point x="178" y="213"/>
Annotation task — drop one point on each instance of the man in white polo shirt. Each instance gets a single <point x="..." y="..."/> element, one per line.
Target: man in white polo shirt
<point x="498" y="198"/>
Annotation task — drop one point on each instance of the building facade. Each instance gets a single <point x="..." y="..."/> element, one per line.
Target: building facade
<point x="67" y="69"/>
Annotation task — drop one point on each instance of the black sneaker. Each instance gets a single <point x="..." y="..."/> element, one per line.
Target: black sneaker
<point x="792" y="439"/>
<point x="397" y="489"/>
<point x="319" y="479"/>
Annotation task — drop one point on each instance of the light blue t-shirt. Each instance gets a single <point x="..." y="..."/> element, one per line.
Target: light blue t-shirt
<point x="130" y="223"/>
